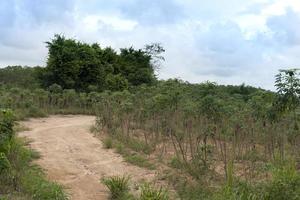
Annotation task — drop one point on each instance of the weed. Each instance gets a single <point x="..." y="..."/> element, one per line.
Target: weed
<point x="150" y="193"/>
<point x="108" y="143"/>
<point x="17" y="174"/>
<point x="120" y="149"/>
<point x="140" y="161"/>
<point x="94" y="129"/>
<point x="34" y="183"/>
<point x="175" y="163"/>
<point x="118" y="186"/>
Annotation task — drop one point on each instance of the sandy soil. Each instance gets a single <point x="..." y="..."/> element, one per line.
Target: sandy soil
<point x="76" y="159"/>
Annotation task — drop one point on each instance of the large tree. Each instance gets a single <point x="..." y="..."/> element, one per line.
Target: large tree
<point x="77" y="65"/>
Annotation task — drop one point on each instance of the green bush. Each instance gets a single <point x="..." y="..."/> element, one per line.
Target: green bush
<point x="176" y="163"/>
<point x="150" y="193"/>
<point x="285" y="185"/>
<point x="34" y="183"/>
<point x="139" y="160"/>
<point x="108" y="143"/>
<point x="34" y="111"/>
<point x="4" y="163"/>
<point x="118" y="186"/>
<point x="17" y="174"/>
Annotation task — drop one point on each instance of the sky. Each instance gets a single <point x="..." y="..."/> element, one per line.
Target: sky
<point x="225" y="41"/>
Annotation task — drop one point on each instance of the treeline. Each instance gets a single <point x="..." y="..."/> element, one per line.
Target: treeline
<point x="83" y="67"/>
<point x="19" y="76"/>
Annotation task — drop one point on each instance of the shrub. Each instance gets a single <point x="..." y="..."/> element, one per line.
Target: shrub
<point x="118" y="186"/>
<point x="285" y="185"/>
<point x="4" y="163"/>
<point x="17" y="174"/>
<point x="34" y="183"/>
<point x="108" y="143"/>
<point x="139" y="160"/>
<point x="34" y="111"/>
<point x="176" y="163"/>
<point x="150" y="193"/>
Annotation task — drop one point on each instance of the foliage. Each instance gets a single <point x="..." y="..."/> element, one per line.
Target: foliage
<point x="201" y="126"/>
<point x="284" y="185"/>
<point x="80" y="66"/>
<point x="139" y="160"/>
<point x="216" y="135"/>
<point x="18" y="76"/>
<point x="150" y="193"/>
<point x="17" y="174"/>
<point x="288" y="88"/>
<point x="118" y="186"/>
<point x="108" y="143"/>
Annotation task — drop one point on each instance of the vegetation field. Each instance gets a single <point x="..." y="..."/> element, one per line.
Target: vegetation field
<point x="205" y="141"/>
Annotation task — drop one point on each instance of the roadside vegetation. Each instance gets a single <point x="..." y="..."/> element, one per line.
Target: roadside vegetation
<point x="20" y="179"/>
<point x="208" y="141"/>
<point x="119" y="188"/>
<point x="229" y="142"/>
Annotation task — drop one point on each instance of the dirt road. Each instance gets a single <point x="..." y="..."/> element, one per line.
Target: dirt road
<point x="76" y="159"/>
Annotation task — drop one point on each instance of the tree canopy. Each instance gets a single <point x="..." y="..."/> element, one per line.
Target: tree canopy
<point x="76" y="65"/>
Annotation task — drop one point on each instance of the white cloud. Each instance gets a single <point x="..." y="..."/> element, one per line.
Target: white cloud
<point x="229" y="42"/>
<point x="96" y="22"/>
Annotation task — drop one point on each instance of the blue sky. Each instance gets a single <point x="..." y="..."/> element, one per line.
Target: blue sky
<point x="227" y="41"/>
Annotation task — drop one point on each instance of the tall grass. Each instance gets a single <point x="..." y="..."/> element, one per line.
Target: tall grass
<point x="118" y="187"/>
<point x="148" y="192"/>
<point x="18" y="176"/>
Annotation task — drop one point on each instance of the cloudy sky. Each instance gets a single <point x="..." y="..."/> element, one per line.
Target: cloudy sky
<point x="227" y="41"/>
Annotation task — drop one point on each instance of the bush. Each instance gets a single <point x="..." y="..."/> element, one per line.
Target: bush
<point x="285" y="185"/>
<point x="4" y="163"/>
<point x="118" y="186"/>
<point x="34" y="183"/>
<point x="150" y="193"/>
<point x="108" y="143"/>
<point x="176" y="163"/>
<point x="139" y="160"/>
<point x="17" y="174"/>
<point x="34" y="111"/>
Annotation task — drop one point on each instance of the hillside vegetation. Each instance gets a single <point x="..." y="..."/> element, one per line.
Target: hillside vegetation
<point x="209" y="141"/>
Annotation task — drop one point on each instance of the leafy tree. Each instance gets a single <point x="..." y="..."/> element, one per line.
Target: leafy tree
<point x="18" y="76"/>
<point x="116" y="82"/>
<point x="288" y="89"/>
<point x="77" y="65"/>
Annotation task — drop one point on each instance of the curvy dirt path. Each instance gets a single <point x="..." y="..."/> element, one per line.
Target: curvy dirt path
<point x="76" y="159"/>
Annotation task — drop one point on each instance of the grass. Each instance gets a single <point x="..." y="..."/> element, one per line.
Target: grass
<point x="138" y="146"/>
<point x="20" y="128"/>
<point x="185" y="187"/>
<point x="34" y="183"/>
<point x="120" y="190"/>
<point x="118" y="187"/>
<point x="139" y="160"/>
<point x="108" y="143"/>
<point x="175" y="163"/>
<point x="19" y="178"/>
<point x="94" y="129"/>
<point x="148" y="192"/>
<point x="127" y="152"/>
<point x="27" y="180"/>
